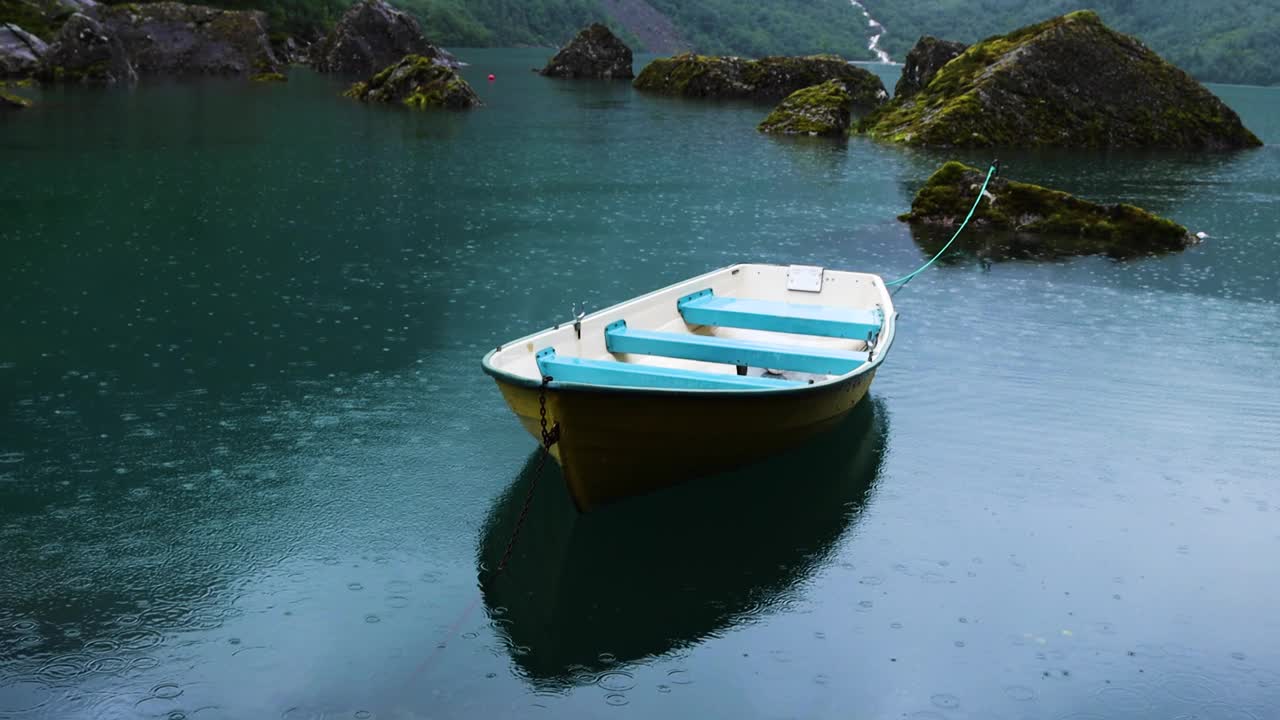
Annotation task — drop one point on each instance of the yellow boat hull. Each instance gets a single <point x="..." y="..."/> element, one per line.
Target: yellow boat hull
<point x="618" y="443"/>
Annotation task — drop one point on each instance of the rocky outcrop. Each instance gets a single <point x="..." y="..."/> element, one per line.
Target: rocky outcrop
<point x="85" y="51"/>
<point x="417" y="82"/>
<point x="293" y="50"/>
<point x="20" y="51"/>
<point x="171" y="38"/>
<point x="595" y="53"/>
<point x="1030" y="210"/>
<point x="372" y="35"/>
<point x="117" y="43"/>
<point x="41" y="18"/>
<point x="1066" y="82"/>
<point x="766" y="79"/>
<point x="824" y="109"/>
<point x="923" y="62"/>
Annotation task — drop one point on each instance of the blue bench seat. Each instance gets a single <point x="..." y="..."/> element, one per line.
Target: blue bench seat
<point x="704" y="308"/>
<point x="822" y="361"/>
<point x="620" y="374"/>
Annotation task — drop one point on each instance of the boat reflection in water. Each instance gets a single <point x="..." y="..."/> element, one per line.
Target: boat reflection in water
<point x="586" y="592"/>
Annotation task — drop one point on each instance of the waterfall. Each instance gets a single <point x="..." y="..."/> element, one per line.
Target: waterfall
<point x="877" y="31"/>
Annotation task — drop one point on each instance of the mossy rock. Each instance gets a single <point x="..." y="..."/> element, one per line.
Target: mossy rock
<point x="1067" y="82"/>
<point x="269" y="77"/>
<point x="767" y="79"/>
<point x="417" y="82"/>
<point x="819" y="110"/>
<point x="9" y="101"/>
<point x="1027" y="209"/>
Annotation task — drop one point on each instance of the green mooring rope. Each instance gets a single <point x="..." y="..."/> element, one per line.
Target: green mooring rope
<point x="995" y="167"/>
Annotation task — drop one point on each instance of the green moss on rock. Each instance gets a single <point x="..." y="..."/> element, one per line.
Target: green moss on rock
<point x="417" y="82"/>
<point x="10" y="101"/>
<point x="1024" y="208"/>
<point x="41" y="19"/>
<point x="1067" y="82"/>
<point x="819" y="110"/>
<point x="269" y="77"/>
<point x="767" y="79"/>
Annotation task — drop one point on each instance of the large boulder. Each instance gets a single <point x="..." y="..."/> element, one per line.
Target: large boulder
<point x="85" y="51"/>
<point x="373" y="35"/>
<point x="20" y="51"/>
<point x="825" y="109"/>
<point x="923" y="62"/>
<point x="1031" y="210"/>
<point x="1066" y="82"/>
<point x="171" y="38"/>
<point x="417" y="82"/>
<point x="594" y="53"/>
<point x="116" y="43"/>
<point x="767" y="79"/>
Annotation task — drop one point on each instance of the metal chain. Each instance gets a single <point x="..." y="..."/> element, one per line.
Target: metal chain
<point x="549" y="438"/>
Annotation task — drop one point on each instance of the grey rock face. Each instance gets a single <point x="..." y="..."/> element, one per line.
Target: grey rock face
<point x="373" y="35"/>
<point x="594" y="53"/>
<point x="20" y="51"/>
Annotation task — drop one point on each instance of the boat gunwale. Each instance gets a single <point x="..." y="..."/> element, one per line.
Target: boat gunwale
<point x="878" y="355"/>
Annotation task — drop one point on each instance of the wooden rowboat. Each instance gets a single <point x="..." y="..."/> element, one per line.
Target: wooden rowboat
<point x="705" y="375"/>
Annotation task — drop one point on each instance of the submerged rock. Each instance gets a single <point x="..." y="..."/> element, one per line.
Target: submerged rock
<point x="770" y="78"/>
<point x="9" y="101"/>
<point x="1025" y="209"/>
<point x="372" y="35"/>
<point x="84" y="51"/>
<point x="270" y="77"/>
<point x="595" y="53"/>
<point x="923" y="63"/>
<point x="20" y="51"/>
<point x="418" y="82"/>
<point x="825" y="109"/>
<point x="1066" y="82"/>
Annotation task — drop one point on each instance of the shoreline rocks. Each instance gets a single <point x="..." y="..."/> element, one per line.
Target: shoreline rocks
<point x="1067" y="82"/>
<point x="1024" y="209"/>
<point x="595" y="53"/>
<point x="110" y="44"/>
<point x="172" y="39"/>
<point x="371" y="36"/>
<point x="85" y="51"/>
<point x="767" y="79"/>
<point x="20" y="51"/>
<point x="417" y="82"/>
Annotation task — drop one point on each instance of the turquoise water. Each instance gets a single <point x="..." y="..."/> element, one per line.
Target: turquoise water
<point x="249" y="466"/>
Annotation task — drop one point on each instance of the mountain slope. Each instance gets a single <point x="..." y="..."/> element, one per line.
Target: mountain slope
<point x="788" y="27"/>
<point x="1222" y="41"/>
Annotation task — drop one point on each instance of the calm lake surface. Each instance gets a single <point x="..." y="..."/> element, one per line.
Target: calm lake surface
<point x="250" y="468"/>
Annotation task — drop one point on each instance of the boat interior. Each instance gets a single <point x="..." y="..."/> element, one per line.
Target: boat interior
<point x="745" y="327"/>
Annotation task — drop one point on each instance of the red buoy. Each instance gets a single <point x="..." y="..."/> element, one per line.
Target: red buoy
<point x="491" y="77"/>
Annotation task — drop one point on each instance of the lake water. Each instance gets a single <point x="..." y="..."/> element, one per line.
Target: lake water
<point x="249" y="466"/>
